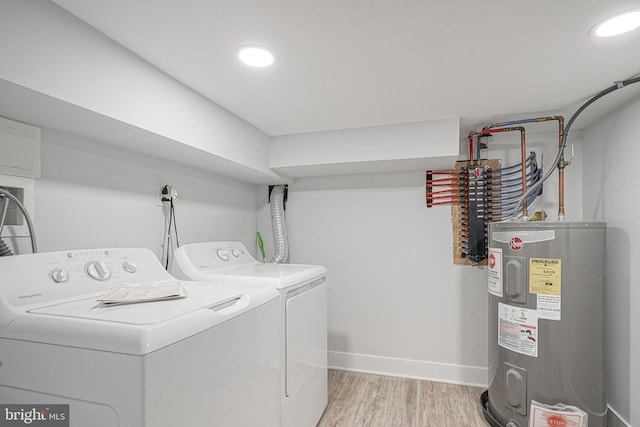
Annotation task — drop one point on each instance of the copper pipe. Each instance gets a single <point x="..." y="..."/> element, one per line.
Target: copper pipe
<point x="449" y="202"/>
<point x="471" y="135"/>
<point x="561" y="162"/>
<point x="443" y="180"/>
<point x="449" y="192"/>
<point x="452" y="185"/>
<point x="450" y="178"/>
<point x="523" y="155"/>
<point x="449" y="172"/>
<point x="445" y="196"/>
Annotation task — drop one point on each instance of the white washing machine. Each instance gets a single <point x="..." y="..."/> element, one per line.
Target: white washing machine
<point x="210" y="358"/>
<point x="303" y="339"/>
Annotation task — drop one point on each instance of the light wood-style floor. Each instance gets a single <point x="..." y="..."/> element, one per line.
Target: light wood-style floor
<point x="367" y="400"/>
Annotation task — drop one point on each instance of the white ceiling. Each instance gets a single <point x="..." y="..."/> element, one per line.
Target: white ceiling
<point x="354" y="63"/>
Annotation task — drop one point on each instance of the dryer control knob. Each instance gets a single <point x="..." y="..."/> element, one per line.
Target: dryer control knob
<point x="129" y="267"/>
<point x="60" y="275"/>
<point x="235" y="252"/>
<point x="98" y="270"/>
<point x="223" y="254"/>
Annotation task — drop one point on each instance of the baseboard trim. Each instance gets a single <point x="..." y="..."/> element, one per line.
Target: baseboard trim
<point x="407" y="368"/>
<point x="615" y="420"/>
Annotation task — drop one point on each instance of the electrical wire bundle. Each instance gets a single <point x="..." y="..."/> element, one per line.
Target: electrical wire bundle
<point x="170" y="232"/>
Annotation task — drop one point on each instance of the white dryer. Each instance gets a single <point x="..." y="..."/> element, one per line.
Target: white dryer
<point x="303" y="339"/>
<point x="210" y="358"/>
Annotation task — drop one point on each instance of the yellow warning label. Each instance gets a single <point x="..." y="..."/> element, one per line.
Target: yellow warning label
<point x="545" y="276"/>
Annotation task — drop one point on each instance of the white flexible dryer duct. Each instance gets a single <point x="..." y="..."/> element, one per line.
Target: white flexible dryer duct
<point x="281" y="244"/>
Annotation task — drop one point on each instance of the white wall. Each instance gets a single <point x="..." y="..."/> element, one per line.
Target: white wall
<point x="401" y="147"/>
<point x="397" y="304"/>
<point x="94" y="195"/>
<point x="611" y="194"/>
<point x="50" y="52"/>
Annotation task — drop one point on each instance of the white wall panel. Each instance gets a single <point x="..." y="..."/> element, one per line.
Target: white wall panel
<point x="611" y="195"/>
<point x="95" y="195"/>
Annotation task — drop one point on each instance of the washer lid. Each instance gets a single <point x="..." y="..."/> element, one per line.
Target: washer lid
<point x="279" y="276"/>
<point x="147" y="313"/>
<point x="138" y="328"/>
<point x="231" y="261"/>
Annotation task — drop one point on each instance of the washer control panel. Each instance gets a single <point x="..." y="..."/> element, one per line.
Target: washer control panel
<point x="48" y="276"/>
<point x="227" y="254"/>
<point x="207" y="256"/>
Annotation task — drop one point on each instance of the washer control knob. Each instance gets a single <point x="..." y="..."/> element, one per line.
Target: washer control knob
<point x="98" y="270"/>
<point x="235" y="252"/>
<point x="223" y="254"/>
<point x="60" y="275"/>
<point x="129" y="267"/>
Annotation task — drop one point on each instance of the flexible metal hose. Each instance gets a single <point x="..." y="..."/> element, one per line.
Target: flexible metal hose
<point x="3" y="215"/>
<point x="32" y="233"/>
<point x="4" y="249"/>
<point x="533" y="188"/>
<point x="281" y="244"/>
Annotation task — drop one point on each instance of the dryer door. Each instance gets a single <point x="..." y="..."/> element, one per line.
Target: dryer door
<point x="306" y="334"/>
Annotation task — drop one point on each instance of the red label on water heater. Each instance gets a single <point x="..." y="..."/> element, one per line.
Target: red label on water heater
<point x="556" y="416"/>
<point x="557" y="421"/>
<point x="516" y="243"/>
<point x="492" y="261"/>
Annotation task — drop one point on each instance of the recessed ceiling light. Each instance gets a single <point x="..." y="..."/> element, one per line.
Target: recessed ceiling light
<point x="618" y="24"/>
<point x="255" y="56"/>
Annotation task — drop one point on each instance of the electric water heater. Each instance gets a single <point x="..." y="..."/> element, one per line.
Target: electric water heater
<point x="546" y="324"/>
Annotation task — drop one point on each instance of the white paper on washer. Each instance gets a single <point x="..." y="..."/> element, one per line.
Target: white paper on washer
<point x="142" y="292"/>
